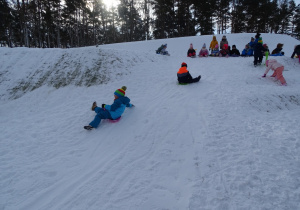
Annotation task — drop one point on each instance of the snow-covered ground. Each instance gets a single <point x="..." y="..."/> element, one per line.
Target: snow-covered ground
<point x="231" y="141"/>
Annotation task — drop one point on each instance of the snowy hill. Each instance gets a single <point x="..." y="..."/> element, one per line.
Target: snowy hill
<point x="231" y="141"/>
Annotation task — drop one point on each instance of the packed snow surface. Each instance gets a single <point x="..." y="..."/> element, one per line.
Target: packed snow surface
<point x="231" y="141"/>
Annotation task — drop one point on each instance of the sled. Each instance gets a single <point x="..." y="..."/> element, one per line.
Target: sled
<point x="267" y="55"/>
<point x="115" y="120"/>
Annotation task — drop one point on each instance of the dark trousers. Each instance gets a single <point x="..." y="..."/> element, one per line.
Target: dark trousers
<point x="189" y="80"/>
<point x="257" y="59"/>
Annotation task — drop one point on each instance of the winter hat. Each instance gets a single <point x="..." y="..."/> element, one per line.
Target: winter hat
<point x="252" y="38"/>
<point x="183" y="64"/>
<point x="204" y="45"/>
<point x="260" y="40"/>
<point x="224" y="37"/>
<point x="191" y="46"/>
<point x="165" y="45"/>
<point x="257" y="35"/>
<point x="233" y="46"/>
<point x="120" y="92"/>
<point x="265" y="45"/>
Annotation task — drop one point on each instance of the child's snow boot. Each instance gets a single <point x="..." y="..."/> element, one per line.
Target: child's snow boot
<point x="88" y="127"/>
<point x="94" y="105"/>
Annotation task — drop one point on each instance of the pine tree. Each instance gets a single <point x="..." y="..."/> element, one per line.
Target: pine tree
<point x="238" y="18"/>
<point x="163" y="24"/>
<point x="204" y="13"/>
<point x="5" y="22"/>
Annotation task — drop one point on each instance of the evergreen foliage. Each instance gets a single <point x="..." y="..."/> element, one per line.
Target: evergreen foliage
<point x="77" y="23"/>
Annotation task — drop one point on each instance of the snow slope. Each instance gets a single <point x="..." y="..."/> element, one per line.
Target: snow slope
<point x="231" y="141"/>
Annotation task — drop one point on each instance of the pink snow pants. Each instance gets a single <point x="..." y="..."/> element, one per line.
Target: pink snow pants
<point x="278" y="74"/>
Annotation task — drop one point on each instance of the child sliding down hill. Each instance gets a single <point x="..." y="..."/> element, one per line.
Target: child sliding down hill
<point x="113" y="111"/>
<point x="277" y="68"/>
<point x="184" y="76"/>
<point x="162" y="50"/>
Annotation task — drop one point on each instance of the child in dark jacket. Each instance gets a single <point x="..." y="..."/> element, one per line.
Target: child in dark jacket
<point x="184" y="76"/>
<point x="111" y="112"/>
<point x="266" y="47"/>
<point x="278" y="50"/>
<point x="191" y="52"/>
<point x="234" y="52"/>
<point x="223" y="41"/>
<point x="258" y="52"/>
<point x="296" y="51"/>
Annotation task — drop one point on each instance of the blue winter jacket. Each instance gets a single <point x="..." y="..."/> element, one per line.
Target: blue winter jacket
<point x="247" y="52"/>
<point x="251" y="47"/>
<point x="118" y="107"/>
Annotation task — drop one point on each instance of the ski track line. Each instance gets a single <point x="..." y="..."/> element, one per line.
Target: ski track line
<point x="59" y="191"/>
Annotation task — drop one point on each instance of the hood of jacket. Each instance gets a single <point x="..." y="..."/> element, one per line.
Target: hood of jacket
<point x="272" y="61"/>
<point x="123" y="99"/>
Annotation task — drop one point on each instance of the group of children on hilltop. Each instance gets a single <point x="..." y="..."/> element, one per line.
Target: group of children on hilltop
<point x="116" y="109"/>
<point x="223" y="51"/>
<point x="255" y="48"/>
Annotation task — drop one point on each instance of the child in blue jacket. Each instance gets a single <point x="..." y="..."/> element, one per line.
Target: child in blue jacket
<point x="246" y="51"/>
<point x="113" y="111"/>
<point x="252" y="44"/>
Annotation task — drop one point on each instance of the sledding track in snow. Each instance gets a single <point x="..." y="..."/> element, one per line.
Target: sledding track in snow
<point x="230" y="141"/>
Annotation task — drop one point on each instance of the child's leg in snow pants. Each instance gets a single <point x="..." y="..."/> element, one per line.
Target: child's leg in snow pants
<point x="101" y="114"/>
<point x="255" y="60"/>
<point x="279" y="75"/>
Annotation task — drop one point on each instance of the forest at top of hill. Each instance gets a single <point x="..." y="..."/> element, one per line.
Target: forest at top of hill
<point x="78" y="23"/>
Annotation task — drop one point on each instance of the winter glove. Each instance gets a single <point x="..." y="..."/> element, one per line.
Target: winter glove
<point x="264" y="75"/>
<point x="103" y="106"/>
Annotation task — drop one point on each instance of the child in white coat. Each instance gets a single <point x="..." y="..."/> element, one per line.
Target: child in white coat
<point x="277" y="68"/>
